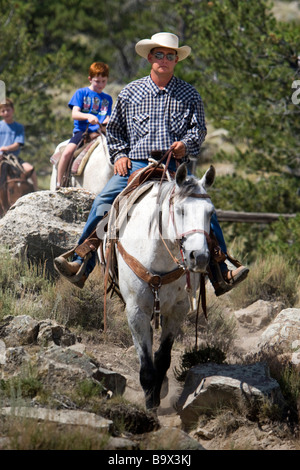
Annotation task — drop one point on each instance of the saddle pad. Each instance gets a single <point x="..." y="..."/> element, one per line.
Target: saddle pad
<point x="54" y="159"/>
<point x="82" y="159"/>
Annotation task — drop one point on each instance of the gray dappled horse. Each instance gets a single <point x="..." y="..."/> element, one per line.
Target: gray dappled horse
<point x="166" y="237"/>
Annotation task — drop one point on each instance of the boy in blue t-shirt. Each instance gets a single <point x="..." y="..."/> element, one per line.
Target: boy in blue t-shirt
<point x="12" y="137"/>
<point x="90" y="106"/>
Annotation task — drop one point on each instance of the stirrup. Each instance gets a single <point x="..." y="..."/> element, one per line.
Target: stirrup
<point x="76" y="277"/>
<point x="219" y="276"/>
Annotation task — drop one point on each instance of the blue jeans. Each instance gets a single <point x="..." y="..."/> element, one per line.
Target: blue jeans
<point x="102" y="204"/>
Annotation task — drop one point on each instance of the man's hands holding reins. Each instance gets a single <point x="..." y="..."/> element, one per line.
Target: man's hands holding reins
<point x="122" y="165"/>
<point x="178" y="149"/>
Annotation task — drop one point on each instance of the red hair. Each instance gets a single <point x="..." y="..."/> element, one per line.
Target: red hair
<point x="99" y="68"/>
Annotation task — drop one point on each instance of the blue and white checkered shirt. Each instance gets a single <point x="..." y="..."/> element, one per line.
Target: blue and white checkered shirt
<point x="146" y="118"/>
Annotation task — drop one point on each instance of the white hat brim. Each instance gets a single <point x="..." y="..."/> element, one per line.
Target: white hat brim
<point x="144" y="46"/>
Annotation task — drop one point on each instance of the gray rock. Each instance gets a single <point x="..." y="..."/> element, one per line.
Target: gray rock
<point x="19" y="330"/>
<point x="50" y="331"/>
<point x="24" y="330"/>
<point x="209" y="386"/>
<point x="63" y="368"/>
<point x="69" y="417"/>
<point x="257" y="315"/>
<point x="44" y="224"/>
<point x="283" y="333"/>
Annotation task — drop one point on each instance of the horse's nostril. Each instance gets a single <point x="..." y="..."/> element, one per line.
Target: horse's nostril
<point x="198" y="259"/>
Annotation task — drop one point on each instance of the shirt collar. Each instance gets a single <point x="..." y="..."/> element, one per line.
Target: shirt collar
<point x="168" y="89"/>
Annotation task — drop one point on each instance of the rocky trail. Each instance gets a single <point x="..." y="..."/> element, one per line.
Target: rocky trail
<point x="46" y="219"/>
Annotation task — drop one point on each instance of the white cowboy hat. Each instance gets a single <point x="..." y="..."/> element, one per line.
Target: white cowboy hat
<point x="168" y="40"/>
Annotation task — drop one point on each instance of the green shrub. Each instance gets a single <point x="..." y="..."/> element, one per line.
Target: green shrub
<point x="194" y="357"/>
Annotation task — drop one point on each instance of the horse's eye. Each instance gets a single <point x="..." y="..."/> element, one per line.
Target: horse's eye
<point x="180" y="211"/>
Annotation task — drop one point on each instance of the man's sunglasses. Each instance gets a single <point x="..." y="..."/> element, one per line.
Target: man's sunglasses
<point x="161" y="55"/>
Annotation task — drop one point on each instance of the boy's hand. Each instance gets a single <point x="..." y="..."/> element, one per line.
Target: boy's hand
<point x="92" y="119"/>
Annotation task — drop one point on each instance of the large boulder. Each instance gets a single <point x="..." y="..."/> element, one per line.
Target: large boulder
<point x="211" y="386"/>
<point x="258" y="315"/>
<point x="44" y="224"/>
<point x="282" y="337"/>
<point x="283" y="333"/>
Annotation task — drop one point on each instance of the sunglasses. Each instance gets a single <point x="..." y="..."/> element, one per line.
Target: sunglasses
<point x="161" y="55"/>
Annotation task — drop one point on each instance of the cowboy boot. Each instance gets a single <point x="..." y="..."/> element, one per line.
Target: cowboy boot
<point x="224" y="281"/>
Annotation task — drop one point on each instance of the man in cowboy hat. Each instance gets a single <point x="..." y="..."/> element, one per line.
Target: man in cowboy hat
<point x="156" y="112"/>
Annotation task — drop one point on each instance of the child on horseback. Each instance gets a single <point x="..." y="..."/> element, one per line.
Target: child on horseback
<point x="90" y="108"/>
<point x="12" y="137"/>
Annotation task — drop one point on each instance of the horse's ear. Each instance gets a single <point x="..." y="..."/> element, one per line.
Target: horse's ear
<point x="209" y="177"/>
<point x="181" y="174"/>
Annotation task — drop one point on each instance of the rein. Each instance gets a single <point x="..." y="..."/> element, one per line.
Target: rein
<point x="180" y="237"/>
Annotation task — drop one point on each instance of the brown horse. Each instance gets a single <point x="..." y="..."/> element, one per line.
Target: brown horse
<point x="13" y="182"/>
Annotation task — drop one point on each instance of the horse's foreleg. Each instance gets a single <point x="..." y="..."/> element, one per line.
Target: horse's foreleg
<point x="142" y="334"/>
<point x="162" y="361"/>
<point x="147" y="378"/>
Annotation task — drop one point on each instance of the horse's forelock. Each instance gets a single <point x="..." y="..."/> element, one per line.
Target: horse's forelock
<point x="189" y="187"/>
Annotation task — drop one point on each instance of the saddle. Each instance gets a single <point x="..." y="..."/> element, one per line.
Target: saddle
<point x="14" y="181"/>
<point x="84" y="149"/>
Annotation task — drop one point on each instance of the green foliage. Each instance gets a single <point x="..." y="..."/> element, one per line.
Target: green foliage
<point x="88" y="392"/>
<point x="264" y="193"/>
<point x="24" y="385"/>
<point x="284" y="239"/>
<point x="289" y="381"/>
<point x="244" y="64"/>
<point x="29" y="72"/>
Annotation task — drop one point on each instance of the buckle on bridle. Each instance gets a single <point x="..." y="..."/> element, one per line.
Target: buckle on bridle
<point x="156" y="281"/>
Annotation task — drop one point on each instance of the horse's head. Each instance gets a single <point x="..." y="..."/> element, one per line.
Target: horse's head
<point x="192" y="210"/>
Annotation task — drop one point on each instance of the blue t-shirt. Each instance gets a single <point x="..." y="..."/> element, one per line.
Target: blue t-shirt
<point x="90" y="102"/>
<point x="11" y="133"/>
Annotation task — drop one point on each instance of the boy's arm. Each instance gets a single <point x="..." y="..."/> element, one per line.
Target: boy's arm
<point x="79" y="116"/>
<point x="10" y="148"/>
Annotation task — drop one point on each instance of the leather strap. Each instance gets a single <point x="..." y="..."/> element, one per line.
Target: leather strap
<point x="154" y="280"/>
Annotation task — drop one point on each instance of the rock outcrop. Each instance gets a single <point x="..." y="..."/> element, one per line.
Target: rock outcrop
<point x="44" y="224"/>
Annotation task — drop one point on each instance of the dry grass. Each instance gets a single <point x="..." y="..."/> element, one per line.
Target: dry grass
<point x="271" y="278"/>
<point x="26" y="434"/>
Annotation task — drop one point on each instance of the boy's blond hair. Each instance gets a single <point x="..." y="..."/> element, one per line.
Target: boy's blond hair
<point x="99" y="68"/>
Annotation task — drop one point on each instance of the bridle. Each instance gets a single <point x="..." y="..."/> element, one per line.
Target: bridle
<point x="180" y="239"/>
